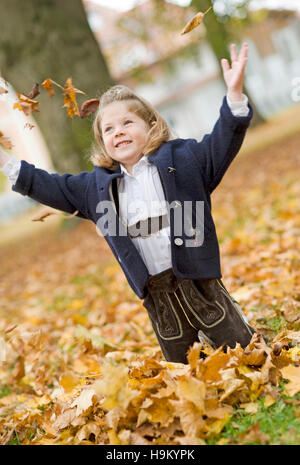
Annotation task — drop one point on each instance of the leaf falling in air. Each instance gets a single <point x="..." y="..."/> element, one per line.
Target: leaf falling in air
<point x="29" y="126"/>
<point x="70" y="99"/>
<point x="34" y="92"/>
<point x="195" y="21"/>
<point x="26" y="104"/>
<point x="47" y="212"/>
<point x="3" y="90"/>
<point x="5" y="142"/>
<point x="88" y="107"/>
<point x="47" y="84"/>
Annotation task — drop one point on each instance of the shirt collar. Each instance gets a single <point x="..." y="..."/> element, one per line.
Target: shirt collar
<point x="141" y="163"/>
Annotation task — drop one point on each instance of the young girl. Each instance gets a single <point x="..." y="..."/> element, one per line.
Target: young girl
<point x="170" y="260"/>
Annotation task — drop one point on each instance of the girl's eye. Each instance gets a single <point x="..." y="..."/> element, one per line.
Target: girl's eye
<point x="128" y="121"/>
<point x="107" y="129"/>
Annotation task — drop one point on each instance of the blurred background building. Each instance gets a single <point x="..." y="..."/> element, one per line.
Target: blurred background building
<point x="188" y="92"/>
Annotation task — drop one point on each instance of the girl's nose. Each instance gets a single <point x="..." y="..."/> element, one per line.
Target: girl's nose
<point x="119" y="131"/>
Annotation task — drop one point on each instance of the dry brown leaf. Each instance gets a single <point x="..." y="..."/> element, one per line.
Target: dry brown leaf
<point x="10" y="328"/>
<point x="70" y="99"/>
<point x="193" y="390"/>
<point x="254" y="435"/>
<point x="250" y="407"/>
<point x="211" y="367"/>
<point x="29" y="126"/>
<point x="191" y="422"/>
<point x="48" y="211"/>
<point x="218" y="412"/>
<point x="291" y="373"/>
<point x="26" y="104"/>
<point x="19" y="369"/>
<point x="229" y="382"/>
<point x="113" y="417"/>
<point x="195" y="21"/>
<point x="88" y="107"/>
<point x="160" y="411"/>
<point x="138" y="440"/>
<point x="3" y="90"/>
<point x="114" y="386"/>
<point x="65" y="419"/>
<point x="47" y="84"/>
<point x="5" y="142"/>
<point x="84" y="400"/>
<point x="86" y="431"/>
<point x="254" y="357"/>
<point x="41" y="216"/>
<point x="34" y="92"/>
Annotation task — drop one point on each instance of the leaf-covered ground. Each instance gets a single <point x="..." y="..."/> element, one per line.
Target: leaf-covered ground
<point x="79" y="362"/>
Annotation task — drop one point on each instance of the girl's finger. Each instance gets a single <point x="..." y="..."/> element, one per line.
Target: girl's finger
<point x="243" y="63"/>
<point x="233" y="52"/>
<point x="225" y="65"/>
<point x="244" y="51"/>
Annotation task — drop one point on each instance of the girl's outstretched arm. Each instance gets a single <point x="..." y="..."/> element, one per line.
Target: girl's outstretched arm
<point x="217" y="149"/>
<point x="66" y="192"/>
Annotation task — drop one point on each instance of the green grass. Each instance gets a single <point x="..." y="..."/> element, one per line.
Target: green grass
<point x="5" y="390"/>
<point x="280" y="422"/>
<point x="15" y="440"/>
<point x="277" y="324"/>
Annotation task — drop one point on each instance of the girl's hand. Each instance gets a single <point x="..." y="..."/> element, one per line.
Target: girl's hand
<point x="234" y="75"/>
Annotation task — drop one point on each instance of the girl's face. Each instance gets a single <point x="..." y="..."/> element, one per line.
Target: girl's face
<point x="124" y="134"/>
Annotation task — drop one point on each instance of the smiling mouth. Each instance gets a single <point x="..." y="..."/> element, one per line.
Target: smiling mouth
<point x="123" y="143"/>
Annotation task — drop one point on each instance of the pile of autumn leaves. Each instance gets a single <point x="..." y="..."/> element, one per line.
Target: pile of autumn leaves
<point x="121" y="397"/>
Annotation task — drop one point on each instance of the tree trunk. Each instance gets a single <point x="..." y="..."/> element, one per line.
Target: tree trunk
<point x="52" y="38"/>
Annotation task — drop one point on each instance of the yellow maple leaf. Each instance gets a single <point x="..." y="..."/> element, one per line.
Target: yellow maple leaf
<point x="70" y="381"/>
<point x="193" y="390"/>
<point x="292" y="373"/>
<point x="70" y="98"/>
<point x="5" y="142"/>
<point x="26" y="104"/>
<point x="114" y="386"/>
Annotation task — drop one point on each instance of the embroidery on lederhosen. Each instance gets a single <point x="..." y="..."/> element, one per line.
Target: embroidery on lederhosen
<point x="168" y="322"/>
<point x="208" y="313"/>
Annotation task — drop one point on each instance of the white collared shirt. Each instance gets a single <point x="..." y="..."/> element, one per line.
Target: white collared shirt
<point x="144" y="198"/>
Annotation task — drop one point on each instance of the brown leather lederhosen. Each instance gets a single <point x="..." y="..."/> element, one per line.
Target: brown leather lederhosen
<point x="183" y="311"/>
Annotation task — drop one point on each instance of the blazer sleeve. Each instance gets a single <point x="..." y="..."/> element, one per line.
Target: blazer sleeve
<point x="64" y="192"/>
<point x="217" y="150"/>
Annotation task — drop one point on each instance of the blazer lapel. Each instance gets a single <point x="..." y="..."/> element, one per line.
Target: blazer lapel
<point x="163" y="160"/>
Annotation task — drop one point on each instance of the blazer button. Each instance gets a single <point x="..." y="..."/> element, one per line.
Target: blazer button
<point x="178" y="241"/>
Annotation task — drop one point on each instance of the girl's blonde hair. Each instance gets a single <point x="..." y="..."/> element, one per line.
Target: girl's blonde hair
<point x="159" y="131"/>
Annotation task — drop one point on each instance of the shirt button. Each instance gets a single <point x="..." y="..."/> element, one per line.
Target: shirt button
<point x="178" y="241"/>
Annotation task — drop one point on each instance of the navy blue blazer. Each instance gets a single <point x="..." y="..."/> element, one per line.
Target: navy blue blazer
<point x="196" y="170"/>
